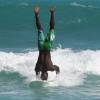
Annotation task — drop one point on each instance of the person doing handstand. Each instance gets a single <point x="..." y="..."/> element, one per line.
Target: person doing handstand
<point x="45" y="45"/>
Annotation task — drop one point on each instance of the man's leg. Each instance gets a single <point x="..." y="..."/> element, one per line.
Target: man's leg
<point x="38" y="24"/>
<point x="41" y="36"/>
<point x="50" y="35"/>
<point x="52" y="21"/>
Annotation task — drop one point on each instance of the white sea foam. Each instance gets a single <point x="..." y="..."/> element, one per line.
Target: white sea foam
<point x="73" y="65"/>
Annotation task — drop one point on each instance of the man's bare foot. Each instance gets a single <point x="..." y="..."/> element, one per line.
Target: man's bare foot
<point x="52" y="9"/>
<point x="37" y="10"/>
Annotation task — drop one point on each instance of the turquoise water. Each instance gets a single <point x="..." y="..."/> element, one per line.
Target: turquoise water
<point x="76" y="50"/>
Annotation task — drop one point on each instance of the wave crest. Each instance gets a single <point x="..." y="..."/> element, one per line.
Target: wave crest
<point x="74" y="66"/>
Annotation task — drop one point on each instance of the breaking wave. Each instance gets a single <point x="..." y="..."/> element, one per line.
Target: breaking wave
<point x="74" y="66"/>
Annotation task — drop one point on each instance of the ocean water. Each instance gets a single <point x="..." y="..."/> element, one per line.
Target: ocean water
<point x="76" y="50"/>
